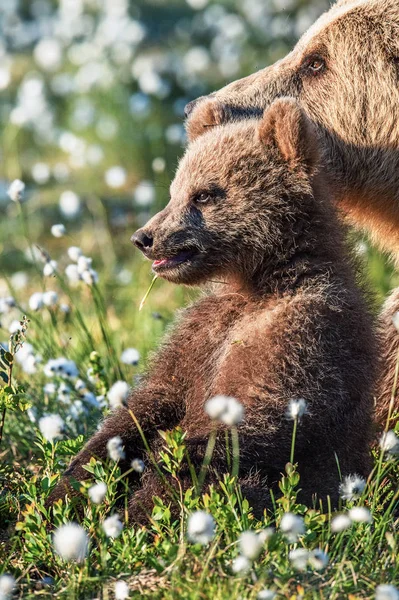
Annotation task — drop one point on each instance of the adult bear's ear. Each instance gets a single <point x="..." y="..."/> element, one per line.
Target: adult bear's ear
<point x="286" y="126"/>
<point x="208" y="113"/>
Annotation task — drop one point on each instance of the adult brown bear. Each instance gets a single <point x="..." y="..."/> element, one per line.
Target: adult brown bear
<point x="344" y="72"/>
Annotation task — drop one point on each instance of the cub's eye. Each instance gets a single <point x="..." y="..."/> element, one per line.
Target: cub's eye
<point x="213" y="193"/>
<point x="315" y="65"/>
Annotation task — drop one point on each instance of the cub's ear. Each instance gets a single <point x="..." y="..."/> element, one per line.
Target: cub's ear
<point x="286" y="126"/>
<point x="208" y="113"/>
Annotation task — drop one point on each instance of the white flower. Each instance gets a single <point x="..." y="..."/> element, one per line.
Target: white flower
<point x="90" y="277"/>
<point x="130" y="356"/>
<point x="84" y="263"/>
<point x="6" y="304"/>
<point x="299" y="558"/>
<point x="50" y="268"/>
<point x="296" y="409"/>
<point x="266" y="595"/>
<point x="250" y="544"/>
<point x="71" y="542"/>
<point x="318" y="559"/>
<point x="121" y="590"/>
<point x="115" y="448"/>
<point x="97" y="492"/>
<point x="292" y="526"/>
<point x="48" y="54"/>
<point x="72" y="273"/>
<point x="69" y="204"/>
<point x="241" y="565"/>
<point x="41" y="173"/>
<point x="58" y="230"/>
<point x="115" y="177"/>
<point x="395" y="320"/>
<point x="389" y="443"/>
<point x="50" y="388"/>
<point x="65" y="308"/>
<point x="138" y="465"/>
<point x="352" y="487"/>
<point x="16" y="190"/>
<point x="60" y="366"/>
<point x="118" y="394"/>
<point x="51" y="427"/>
<point x="36" y="301"/>
<point x="112" y="526"/>
<point x="50" y="298"/>
<point x="225" y="409"/>
<point x="360" y="514"/>
<point x="386" y="592"/>
<point x="144" y="194"/>
<point x="340" y="523"/>
<point x="158" y="164"/>
<point x="14" y="326"/>
<point x="74" y="252"/>
<point x="197" y="4"/>
<point x="7" y="585"/>
<point x="200" y="527"/>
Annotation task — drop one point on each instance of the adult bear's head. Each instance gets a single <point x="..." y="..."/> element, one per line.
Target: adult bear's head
<point x="344" y="72"/>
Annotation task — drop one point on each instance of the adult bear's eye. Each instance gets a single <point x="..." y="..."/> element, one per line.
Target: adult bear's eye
<point x="203" y="197"/>
<point x="315" y="65"/>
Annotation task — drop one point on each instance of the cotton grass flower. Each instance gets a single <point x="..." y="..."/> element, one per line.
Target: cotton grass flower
<point x="386" y="592"/>
<point x="7" y="586"/>
<point x="51" y="427"/>
<point x="352" y="487"/>
<point x="58" y="230"/>
<point x="318" y="559"/>
<point x="69" y="204"/>
<point x="299" y="558"/>
<point x="250" y="544"/>
<point x="340" y="523"/>
<point x="360" y="514"/>
<point x="296" y="409"/>
<point x="266" y="595"/>
<point x="292" y="526"/>
<point x="225" y="409"/>
<point x="72" y="273"/>
<point x="118" y="394"/>
<point x="50" y="298"/>
<point x="90" y="277"/>
<point x="130" y="356"/>
<point x="71" y="542"/>
<point x="200" y="528"/>
<point x="36" y="301"/>
<point x="115" y="448"/>
<point x="74" y="253"/>
<point x="138" y="465"/>
<point x="16" y="190"/>
<point x="121" y="590"/>
<point x="115" y="177"/>
<point x="241" y="565"/>
<point x="112" y="526"/>
<point x="389" y="443"/>
<point x="50" y="268"/>
<point x="97" y="492"/>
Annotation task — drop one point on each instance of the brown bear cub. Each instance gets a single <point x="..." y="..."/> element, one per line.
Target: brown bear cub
<point x="284" y="321"/>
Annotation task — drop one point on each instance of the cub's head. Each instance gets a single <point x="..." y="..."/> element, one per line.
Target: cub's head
<point x="236" y="198"/>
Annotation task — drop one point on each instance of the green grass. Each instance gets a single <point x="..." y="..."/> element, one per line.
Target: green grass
<point x="158" y="561"/>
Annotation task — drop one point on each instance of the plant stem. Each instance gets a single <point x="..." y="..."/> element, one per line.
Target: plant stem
<point x="236" y="451"/>
<point x="293" y="441"/>
<point x="207" y="460"/>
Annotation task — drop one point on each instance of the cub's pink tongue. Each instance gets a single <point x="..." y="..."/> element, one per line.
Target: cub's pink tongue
<point x="157" y="263"/>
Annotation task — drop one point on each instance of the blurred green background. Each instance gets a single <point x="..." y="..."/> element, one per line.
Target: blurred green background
<point x="92" y="94"/>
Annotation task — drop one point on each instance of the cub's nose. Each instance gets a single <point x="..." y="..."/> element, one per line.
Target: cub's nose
<point x="142" y="240"/>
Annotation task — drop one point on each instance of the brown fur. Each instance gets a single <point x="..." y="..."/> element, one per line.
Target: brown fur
<point x="354" y="102"/>
<point x="288" y="322"/>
